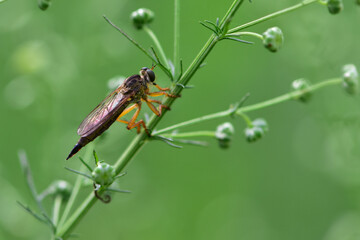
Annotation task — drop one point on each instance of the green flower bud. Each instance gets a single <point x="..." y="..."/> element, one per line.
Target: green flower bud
<point x="104" y="174"/>
<point x="44" y="4"/>
<point x="62" y="188"/>
<point x="254" y="133"/>
<point x="302" y="84"/>
<point x="261" y="123"/>
<point x="273" y="39"/>
<point x="335" y="6"/>
<point x="141" y="17"/>
<point x="350" y="78"/>
<point x="224" y="133"/>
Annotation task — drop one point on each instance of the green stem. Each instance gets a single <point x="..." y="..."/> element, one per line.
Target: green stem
<point x="273" y="15"/>
<point x="246" y="119"/>
<point x="165" y="69"/>
<point x="176" y="60"/>
<point x="56" y="209"/>
<point x="29" y="179"/>
<point x="158" y="45"/>
<point x="289" y="96"/>
<point x="253" y="107"/>
<point x="191" y="134"/>
<point x="76" y="188"/>
<point x="140" y="139"/>
<point x="239" y="34"/>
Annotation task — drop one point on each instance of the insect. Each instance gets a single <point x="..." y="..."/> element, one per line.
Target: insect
<point x="133" y="90"/>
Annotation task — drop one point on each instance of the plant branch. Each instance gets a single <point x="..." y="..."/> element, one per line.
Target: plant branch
<point x="157" y="44"/>
<point x="29" y="179"/>
<point x="240" y="111"/>
<point x="141" y="138"/>
<point x="56" y="209"/>
<point x="272" y="15"/>
<point x="76" y="189"/>
<point x="176" y="36"/>
<point x="190" y="134"/>
<point x="166" y="70"/>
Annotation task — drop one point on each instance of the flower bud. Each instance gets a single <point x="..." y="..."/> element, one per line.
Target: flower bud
<point x="302" y="84"/>
<point x="335" y="6"/>
<point x="350" y="78"/>
<point x="224" y="133"/>
<point x="141" y="17"/>
<point x="254" y="133"/>
<point x="103" y="174"/>
<point x="273" y="39"/>
<point x="62" y="188"/>
<point x="44" y="4"/>
<point x="261" y="123"/>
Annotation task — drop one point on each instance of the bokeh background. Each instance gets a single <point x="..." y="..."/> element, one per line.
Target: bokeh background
<point x="301" y="181"/>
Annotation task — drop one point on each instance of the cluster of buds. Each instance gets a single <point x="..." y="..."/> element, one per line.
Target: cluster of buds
<point x="44" y="4"/>
<point x="224" y="133"/>
<point x="302" y="85"/>
<point x="350" y="78"/>
<point x="273" y="39"/>
<point x="141" y="17"/>
<point x="335" y="6"/>
<point x="104" y="174"/>
<point x="60" y="188"/>
<point x="257" y="130"/>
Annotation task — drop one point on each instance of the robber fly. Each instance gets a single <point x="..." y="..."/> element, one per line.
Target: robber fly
<point x="133" y="90"/>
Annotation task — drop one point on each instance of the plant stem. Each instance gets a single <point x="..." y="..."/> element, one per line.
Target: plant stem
<point x="190" y="134"/>
<point x="29" y="179"/>
<point x="76" y="188"/>
<point x="240" y="34"/>
<point x="240" y="111"/>
<point x="176" y="60"/>
<point x="165" y="69"/>
<point x="273" y="15"/>
<point x="158" y="45"/>
<point x="139" y="140"/>
<point x="56" y="209"/>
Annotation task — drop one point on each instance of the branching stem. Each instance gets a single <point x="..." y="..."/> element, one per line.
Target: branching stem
<point x="140" y="139"/>
<point x="272" y="15"/>
<point x="158" y="45"/>
<point x="250" y="108"/>
<point x="190" y="134"/>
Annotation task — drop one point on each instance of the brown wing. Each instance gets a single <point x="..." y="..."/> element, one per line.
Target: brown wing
<point x="102" y="111"/>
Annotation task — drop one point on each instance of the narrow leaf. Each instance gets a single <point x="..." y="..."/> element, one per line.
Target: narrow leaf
<point x="80" y="173"/>
<point x="238" y="40"/>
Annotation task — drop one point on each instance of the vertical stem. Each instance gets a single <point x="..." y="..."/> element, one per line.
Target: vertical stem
<point x="56" y="209"/>
<point x="176" y="60"/>
<point x="76" y="188"/>
<point x="158" y="46"/>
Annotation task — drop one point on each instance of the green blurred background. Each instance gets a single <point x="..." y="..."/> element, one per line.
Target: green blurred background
<point x="301" y="181"/>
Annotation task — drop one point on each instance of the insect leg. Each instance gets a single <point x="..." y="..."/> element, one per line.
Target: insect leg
<point x="162" y="89"/>
<point x="126" y="111"/>
<point x="138" y="124"/>
<point x="156" y="94"/>
<point x="153" y="108"/>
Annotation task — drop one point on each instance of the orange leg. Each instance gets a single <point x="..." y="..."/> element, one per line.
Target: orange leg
<point x="132" y="124"/>
<point x="156" y="94"/>
<point x="162" y="89"/>
<point x="126" y="111"/>
<point x="153" y="108"/>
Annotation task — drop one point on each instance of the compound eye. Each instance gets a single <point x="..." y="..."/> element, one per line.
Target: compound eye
<point x="144" y="68"/>
<point x="151" y="75"/>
